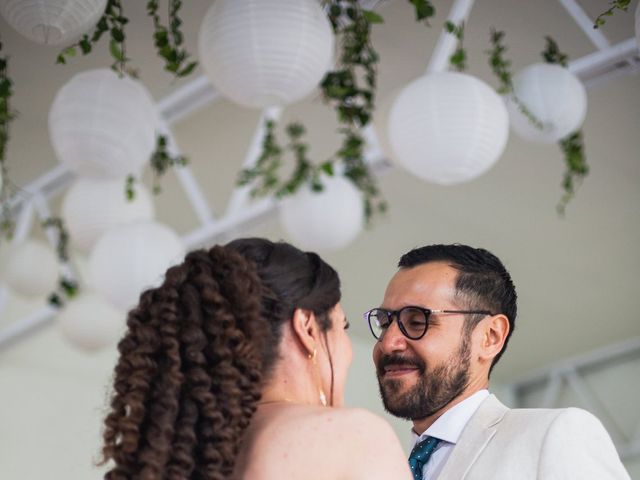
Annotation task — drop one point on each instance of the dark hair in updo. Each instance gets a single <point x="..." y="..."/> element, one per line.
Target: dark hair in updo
<point x="197" y="351"/>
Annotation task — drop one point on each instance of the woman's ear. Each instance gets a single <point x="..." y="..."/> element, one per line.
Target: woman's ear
<point x="305" y="329"/>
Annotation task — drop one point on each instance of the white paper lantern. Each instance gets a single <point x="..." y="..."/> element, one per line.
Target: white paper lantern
<point x="326" y="220"/>
<point x="52" y="22"/>
<point x="131" y="258"/>
<point x="31" y="269"/>
<point x="554" y="96"/>
<point x="448" y="127"/>
<point x="260" y="53"/>
<point x="381" y="124"/>
<point x="91" y="207"/>
<point x="90" y="323"/>
<point x="103" y="126"/>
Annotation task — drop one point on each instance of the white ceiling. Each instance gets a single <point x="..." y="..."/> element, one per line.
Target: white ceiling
<point x="576" y="276"/>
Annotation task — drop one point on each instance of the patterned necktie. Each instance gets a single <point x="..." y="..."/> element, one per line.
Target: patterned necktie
<point x="421" y="454"/>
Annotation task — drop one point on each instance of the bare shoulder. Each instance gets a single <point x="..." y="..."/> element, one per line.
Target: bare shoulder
<point x="348" y="443"/>
<point x="365" y="424"/>
<point x="370" y="440"/>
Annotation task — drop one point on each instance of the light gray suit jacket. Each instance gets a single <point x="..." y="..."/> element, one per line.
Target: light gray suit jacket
<point x="500" y="443"/>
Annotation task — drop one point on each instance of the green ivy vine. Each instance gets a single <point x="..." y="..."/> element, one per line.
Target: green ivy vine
<point x="67" y="287"/>
<point x="7" y="114"/>
<point x="501" y="68"/>
<point x="572" y="146"/>
<point x="459" y="58"/>
<point x="621" y="5"/>
<point x="161" y="161"/>
<point x="112" y="21"/>
<point x="169" y="39"/>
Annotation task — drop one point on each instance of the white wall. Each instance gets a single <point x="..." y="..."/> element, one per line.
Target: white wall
<point x="52" y="401"/>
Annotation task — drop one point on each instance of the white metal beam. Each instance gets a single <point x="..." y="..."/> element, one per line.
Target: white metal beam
<point x="585" y="23"/>
<point x="194" y="193"/>
<point x="27" y="325"/>
<point x="595" y="357"/>
<point x="591" y="403"/>
<point x="187" y="99"/>
<point x="446" y="46"/>
<point x="595" y="63"/>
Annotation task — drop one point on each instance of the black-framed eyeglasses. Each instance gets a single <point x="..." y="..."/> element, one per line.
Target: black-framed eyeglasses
<point x="412" y="321"/>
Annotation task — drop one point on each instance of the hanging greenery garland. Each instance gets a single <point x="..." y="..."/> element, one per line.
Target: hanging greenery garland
<point x="68" y="288"/>
<point x="169" y="39"/>
<point x="350" y="90"/>
<point x="6" y="116"/>
<point x="113" y="21"/>
<point x="572" y="145"/>
<point x="576" y="168"/>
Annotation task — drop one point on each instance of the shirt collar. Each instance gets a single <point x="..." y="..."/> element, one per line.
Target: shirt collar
<point x="449" y="425"/>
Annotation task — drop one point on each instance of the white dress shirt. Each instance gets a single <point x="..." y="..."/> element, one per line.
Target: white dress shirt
<point x="448" y="428"/>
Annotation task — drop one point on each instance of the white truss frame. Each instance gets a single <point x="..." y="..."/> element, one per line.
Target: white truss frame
<point x="241" y="213"/>
<point x="571" y="373"/>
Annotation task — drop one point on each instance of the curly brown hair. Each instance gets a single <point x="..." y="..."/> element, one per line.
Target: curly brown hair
<point x="196" y="353"/>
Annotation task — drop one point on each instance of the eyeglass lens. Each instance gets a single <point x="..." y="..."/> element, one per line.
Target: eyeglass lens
<point x="412" y="322"/>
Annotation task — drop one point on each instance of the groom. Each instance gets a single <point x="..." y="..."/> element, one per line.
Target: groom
<point x="445" y="320"/>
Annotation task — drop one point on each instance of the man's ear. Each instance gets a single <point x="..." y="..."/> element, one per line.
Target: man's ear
<point x="305" y="329"/>
<point x="494" y="333"/>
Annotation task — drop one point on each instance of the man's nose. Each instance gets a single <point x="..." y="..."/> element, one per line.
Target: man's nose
<point x="392" y="339"/>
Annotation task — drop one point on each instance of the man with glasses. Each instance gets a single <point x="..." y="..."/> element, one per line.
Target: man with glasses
<point x="445" y="320"/>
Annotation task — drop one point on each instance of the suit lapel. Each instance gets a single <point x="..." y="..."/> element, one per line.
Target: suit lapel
<point x="475" y="436"/>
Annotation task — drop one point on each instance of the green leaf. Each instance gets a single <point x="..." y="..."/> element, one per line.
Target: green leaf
<point x="69" y="52"/>
<point x="424" y="9"/>
<point x="117" y="34"/>
<point x="372" y="17"/>
<point x="188" y="69"/>
<point x="327" y="167"/>
<point x="85" y="45"/>
<point x="116" y="51"/>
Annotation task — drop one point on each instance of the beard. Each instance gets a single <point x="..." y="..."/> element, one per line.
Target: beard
<point x="435" y="388"/>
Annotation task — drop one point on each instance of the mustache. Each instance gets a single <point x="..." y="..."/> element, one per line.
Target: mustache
<point x="399" y="361"/>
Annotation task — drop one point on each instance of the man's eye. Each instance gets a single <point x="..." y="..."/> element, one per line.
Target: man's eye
<point x="384" y="324"/>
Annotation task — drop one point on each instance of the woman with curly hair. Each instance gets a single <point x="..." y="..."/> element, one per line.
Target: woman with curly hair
<point x="235" y="368"/>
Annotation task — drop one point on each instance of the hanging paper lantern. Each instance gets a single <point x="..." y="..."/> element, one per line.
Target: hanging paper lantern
<point x="91" y="207"/>
<point x="131" y="258"/>
<point x="103" y="126"/>
<point x="260" y="54"/>
<point x="554" y="96"/>
<point x="52" y="22"/>
<point x="31" y="269"/>
<point x="90" y="323"/>
<point x="448" y="127"/>
<point x="326" y="220"/>
<point x="381" y="124"/>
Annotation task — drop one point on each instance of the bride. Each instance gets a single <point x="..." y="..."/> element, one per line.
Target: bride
<point x="235" y="368"/>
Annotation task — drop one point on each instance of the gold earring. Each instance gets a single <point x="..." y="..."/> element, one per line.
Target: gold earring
<point x="321" y="395"/>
